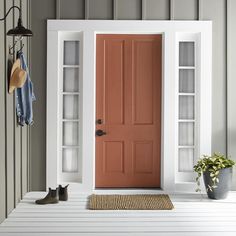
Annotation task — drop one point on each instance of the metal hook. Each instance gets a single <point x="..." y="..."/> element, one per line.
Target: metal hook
<point x="21" y="48"/>
<point x="11" y="48"/>
<point x="11" y="52"/>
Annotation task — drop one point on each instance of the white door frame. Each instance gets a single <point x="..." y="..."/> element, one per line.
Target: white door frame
<point x="89" y="29"/>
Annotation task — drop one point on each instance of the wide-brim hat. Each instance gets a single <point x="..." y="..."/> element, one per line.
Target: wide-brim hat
<point x="18" y="76"/>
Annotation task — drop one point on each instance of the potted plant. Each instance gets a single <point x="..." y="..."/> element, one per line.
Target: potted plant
<point x="217" y="175"/>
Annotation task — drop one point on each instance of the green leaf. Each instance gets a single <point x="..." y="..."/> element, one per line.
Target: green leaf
<point x="212" y="174"/>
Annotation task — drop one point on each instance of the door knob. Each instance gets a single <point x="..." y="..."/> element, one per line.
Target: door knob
<point x="100" y="132"/>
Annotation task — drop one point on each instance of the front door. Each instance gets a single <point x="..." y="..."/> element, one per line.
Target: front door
<point x="128" y="110"/>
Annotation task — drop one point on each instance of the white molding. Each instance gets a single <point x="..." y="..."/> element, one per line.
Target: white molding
<point x="168" y="29"/>
<point x="52" y="108"/>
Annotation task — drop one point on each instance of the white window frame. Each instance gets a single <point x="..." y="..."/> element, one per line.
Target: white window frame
<point x="69" y="36"/>
<point x="169" y="140"/>
<point x="189" y="37"/>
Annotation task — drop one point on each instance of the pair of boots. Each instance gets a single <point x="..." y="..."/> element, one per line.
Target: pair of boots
<point x="54" y="196"/>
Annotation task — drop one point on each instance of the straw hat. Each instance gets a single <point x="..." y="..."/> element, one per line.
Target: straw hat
<point x="18" y="76"/>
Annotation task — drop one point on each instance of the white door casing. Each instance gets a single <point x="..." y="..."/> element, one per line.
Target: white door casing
<point x="85" y="31"/>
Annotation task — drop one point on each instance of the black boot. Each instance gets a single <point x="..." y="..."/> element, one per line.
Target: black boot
<point x="51" y="197"/>
<point x="63" y="193"/>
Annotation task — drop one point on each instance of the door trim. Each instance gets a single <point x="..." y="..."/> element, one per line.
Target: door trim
<point x="89" y="29"/>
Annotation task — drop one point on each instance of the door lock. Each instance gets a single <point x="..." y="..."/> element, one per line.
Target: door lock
<point x="99" y="121"/>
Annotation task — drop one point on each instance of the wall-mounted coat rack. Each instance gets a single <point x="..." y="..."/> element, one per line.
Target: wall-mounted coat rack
<point x="19" y="31"/>
<point x="12" y="48"/>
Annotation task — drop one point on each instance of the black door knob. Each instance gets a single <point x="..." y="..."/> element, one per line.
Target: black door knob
<point x="100" y="132"/>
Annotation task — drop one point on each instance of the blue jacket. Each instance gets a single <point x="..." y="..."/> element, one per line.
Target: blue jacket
<point x="24" y="96"/>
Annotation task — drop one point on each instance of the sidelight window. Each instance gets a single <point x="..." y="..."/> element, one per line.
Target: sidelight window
<point x="187" y="107"/>
<point x="70" y="164"/>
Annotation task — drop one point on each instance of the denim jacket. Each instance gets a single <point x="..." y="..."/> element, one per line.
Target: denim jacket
<point x="24" y="96"/>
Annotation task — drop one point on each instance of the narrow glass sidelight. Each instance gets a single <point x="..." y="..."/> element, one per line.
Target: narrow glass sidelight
<point x="70" y="163"/>
<point x="187" y="106"/>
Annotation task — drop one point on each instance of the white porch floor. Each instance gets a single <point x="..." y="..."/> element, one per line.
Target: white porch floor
<point x="191" y="216"/>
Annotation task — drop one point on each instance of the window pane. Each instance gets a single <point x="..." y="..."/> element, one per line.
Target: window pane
<point x="186" y="157"/>
<point x="71" y="52"/>
<point x="70" y="106"/>
<point x="186" y="134"/>
<point x="186" y="53"/>
<point x="70" y="160"/>
<point x="71" y="80"/>
<point x="70" y="133"/>
<point x="186" y="81"/>
<point x="186" y="107"/>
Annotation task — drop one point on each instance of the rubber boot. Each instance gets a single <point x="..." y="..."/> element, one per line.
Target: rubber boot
<point x="51" y="198"/>
<point x="63" y="193"/>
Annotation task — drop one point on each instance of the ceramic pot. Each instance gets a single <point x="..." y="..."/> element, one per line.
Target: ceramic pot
<point x="224" y="185"/>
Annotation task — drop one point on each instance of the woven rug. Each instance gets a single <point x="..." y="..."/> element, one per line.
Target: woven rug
<point x="130" y="202"/>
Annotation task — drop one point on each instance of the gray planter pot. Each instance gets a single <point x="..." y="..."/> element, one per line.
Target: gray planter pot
<point x="224" y="185"/>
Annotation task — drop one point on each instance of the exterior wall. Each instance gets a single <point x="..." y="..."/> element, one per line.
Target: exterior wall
<point x="221" y="12"/>
<point x="14" y="148"/>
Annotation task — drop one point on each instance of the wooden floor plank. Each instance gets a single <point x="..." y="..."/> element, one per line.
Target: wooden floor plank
<point x="111" y="229"/>
<point x="121" y="234"/>
<point x="120" y="213"/>
<point x="192" y="216"/>
<point x="105" y="223"/>
<point x="170" y="219"/>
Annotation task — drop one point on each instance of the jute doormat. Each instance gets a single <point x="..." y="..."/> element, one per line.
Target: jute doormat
<point x="130" y="202"/>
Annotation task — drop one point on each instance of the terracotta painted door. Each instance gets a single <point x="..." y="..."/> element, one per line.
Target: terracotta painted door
<point x="128" y="110"/>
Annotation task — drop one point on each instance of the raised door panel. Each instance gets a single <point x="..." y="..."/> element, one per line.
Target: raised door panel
<point x="113" y="157"/>
<point x="143" y="157"/>
<point x="142" y="82"/>
<point x="114" y="82"/>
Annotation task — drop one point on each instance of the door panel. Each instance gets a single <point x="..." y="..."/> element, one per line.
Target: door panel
<point x="114" y="61"/>
<point x="142" y="82"/>
<point x="128" y="101"/>
<point x="113" y="154"/>
<point x="142" y="156"/>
